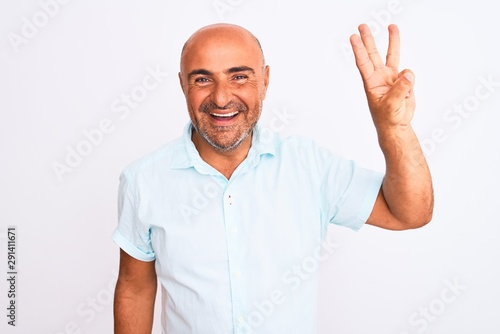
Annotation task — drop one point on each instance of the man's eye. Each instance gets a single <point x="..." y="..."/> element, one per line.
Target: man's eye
<point x="240" y="77"/>
<point x="201" y="80"/>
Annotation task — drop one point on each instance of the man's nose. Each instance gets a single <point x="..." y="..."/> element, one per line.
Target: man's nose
<point x="221" y="94"/>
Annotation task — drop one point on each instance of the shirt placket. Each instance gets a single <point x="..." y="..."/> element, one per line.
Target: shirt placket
<point x="235" y="265"/>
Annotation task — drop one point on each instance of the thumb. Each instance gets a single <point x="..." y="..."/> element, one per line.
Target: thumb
<point x="403" y="86"/>
<point x="401" y="92"/>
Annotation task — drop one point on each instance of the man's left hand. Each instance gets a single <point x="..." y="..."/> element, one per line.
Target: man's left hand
<point x="389" y="92"/>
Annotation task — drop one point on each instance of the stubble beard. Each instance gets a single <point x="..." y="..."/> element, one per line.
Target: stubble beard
<point x="220" y="137"/>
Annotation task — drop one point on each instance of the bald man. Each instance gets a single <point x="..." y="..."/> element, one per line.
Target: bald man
<point x="230" y="218"/>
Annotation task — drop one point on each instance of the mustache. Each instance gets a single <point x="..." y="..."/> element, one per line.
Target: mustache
<point x="210" y="106"/>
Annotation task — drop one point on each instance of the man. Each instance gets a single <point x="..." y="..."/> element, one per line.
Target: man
<point x="226" y="215"/>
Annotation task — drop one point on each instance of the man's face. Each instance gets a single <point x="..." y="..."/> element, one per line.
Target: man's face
<point x="224" y="80"/>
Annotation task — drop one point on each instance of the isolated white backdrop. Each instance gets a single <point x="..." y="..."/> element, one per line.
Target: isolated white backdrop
<point x="66" y="73"/>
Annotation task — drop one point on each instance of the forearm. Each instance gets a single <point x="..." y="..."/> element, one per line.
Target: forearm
<point x="134" y="308"/>
<point x="407" y="186"/>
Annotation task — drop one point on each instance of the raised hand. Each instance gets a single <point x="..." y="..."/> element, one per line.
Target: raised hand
<point x="389" y="92"/>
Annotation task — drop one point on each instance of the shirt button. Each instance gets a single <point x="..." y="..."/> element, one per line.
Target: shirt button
<point x="237" y="274"/>
<point x="233" y="230"/>
<point x="240" y="319"/>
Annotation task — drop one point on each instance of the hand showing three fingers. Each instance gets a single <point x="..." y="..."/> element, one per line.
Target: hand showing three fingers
<point x="389" y="92"/>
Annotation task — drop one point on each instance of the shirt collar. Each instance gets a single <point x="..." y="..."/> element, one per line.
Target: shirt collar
<point x="187" y="156"/>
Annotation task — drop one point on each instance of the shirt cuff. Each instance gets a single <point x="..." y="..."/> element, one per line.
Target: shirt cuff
<point x="131" y="249"/>
<point x="360" y="198"/>
<point x="369" y="200"/>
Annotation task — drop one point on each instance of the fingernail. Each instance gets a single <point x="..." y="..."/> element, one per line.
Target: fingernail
<point x="409" y="76"/>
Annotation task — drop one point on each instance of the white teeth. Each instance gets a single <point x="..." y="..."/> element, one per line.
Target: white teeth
<point x="224" y="115"/>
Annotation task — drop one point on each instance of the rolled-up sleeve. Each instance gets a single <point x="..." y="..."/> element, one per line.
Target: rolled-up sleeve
<point x="350" y="192"/>
<point x="131" y="234"/>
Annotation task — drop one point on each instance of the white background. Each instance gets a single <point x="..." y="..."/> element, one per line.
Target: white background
<point x="65" y="75"/>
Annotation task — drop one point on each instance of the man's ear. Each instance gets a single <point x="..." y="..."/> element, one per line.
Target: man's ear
<point x="266" y="81"/>
<point x="181" y="83"/>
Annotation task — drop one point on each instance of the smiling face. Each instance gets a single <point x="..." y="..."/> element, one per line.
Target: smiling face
<point x="224" y="80"/>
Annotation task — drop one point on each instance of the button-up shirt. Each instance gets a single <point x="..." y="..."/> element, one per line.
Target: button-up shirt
<point x="240" y="255"/>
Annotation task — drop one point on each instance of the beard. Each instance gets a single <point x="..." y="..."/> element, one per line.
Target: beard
<point x="230" y="137"/>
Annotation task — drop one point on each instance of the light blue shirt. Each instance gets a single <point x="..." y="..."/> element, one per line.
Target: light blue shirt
<point x="241" y="255"/>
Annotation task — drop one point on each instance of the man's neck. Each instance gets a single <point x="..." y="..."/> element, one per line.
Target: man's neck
<point x="224" y="162"/>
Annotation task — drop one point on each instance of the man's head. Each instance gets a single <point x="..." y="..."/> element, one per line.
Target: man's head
<point x="224" y="79"/>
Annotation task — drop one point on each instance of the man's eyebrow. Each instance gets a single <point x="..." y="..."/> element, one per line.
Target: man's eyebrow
<point x="200" y="71"/>
<point x="239" y="69"/>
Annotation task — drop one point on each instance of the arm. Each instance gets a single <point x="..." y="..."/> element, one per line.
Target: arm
<point x="406" y="197"/>
<point x="135" y="295"/>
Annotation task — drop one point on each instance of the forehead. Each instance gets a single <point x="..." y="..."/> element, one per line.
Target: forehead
<point x="218" y="49"/>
